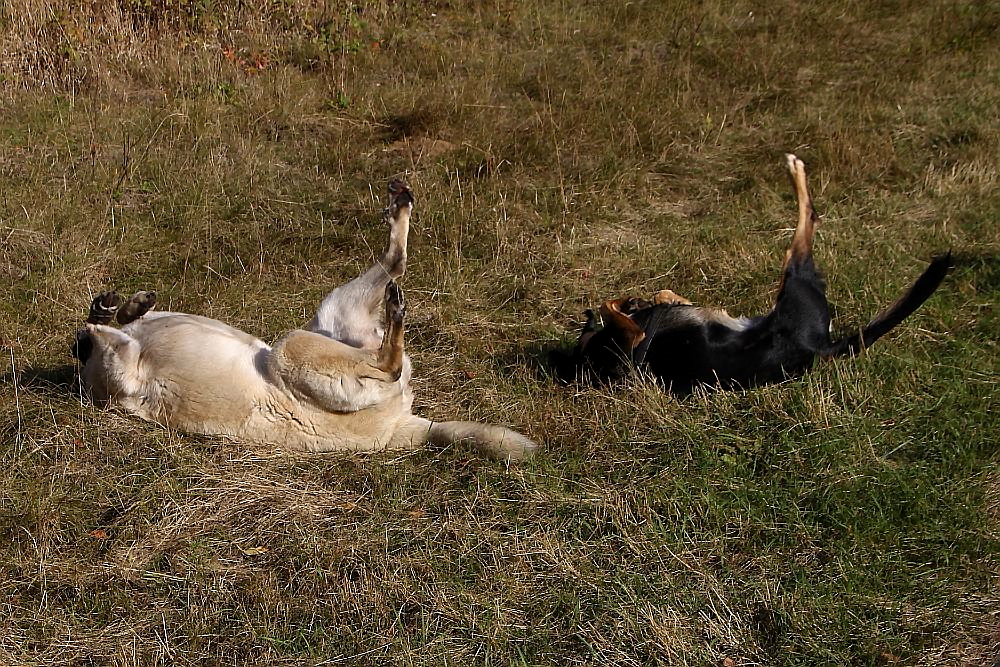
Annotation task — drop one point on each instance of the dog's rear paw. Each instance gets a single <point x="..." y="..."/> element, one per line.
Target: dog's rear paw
<point x="795" y="165"/>
<point x="141" y="303"/>
<point x="395" y="305"/>
<point x="103" y="307"/>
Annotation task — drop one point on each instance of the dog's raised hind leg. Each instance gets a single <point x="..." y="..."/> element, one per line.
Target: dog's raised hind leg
<point x="800" y="249"/>
<point x="339" y="377"/>
<point x="397" y="216"/>
<point x="390" y="355"/>
<point x="351" y="313"/>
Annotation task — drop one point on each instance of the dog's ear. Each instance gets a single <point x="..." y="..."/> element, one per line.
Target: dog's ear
<point x="589" y="329"/>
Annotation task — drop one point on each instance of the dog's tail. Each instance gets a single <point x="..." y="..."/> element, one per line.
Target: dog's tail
<point x="494" y="441"/>
<point x="904" y="306"/>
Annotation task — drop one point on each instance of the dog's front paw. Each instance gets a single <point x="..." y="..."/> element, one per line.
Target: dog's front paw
<point x="141" y="303"/>
<point x="103" y="307"/>
<point x="634" y="304"/>
<point x="669" y="297"/>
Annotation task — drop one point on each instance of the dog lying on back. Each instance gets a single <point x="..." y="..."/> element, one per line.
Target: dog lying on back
<point x="342" y="383"/>
<point x="685" y="345"/>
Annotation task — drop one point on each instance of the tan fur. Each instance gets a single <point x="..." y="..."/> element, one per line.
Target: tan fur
<point x="670" y="297"/>
<point x="802" y="238"/>
<point x="629" y="333"/>
<point x="341" y="385"/>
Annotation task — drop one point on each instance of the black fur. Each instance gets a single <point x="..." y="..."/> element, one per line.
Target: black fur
<point x="685" y="346"/>
<point x="82" y="346"/>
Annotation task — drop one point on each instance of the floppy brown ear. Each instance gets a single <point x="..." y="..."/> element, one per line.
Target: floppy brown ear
<point x="624" y="331"/>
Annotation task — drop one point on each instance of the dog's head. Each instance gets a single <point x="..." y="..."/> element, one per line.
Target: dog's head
<point x="594" y="359"/>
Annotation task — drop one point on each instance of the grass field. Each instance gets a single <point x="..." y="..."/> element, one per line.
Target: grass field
<point x="233" y="156"/>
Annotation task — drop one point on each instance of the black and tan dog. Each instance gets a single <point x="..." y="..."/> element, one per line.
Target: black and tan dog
<point x="685" y="345"/>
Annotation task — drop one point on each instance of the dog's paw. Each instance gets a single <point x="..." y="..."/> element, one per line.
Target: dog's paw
<point x="103" y="307"/>
<point x="141" y="303"/>
<point x="669" y="297"/>
<point x="795" y="166"/>
<point x="400" y="197"/>
<point x="395" y="305"/>
<point x="634" y="304"/>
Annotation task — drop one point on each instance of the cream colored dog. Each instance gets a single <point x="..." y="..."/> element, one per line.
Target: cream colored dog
<point x="340" y="384"/>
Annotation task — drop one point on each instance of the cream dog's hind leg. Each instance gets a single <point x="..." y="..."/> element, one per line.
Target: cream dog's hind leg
<point x="351" y="313"/>
<point x="338" y="377"/>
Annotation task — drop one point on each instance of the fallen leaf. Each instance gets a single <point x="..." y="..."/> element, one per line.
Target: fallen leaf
<point x="254" y="551"/>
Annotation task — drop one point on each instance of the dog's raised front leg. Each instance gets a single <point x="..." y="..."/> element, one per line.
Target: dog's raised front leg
<point x="351" y="313"/>
<point x="104" y="307"/>
<point x="138" y="305"/>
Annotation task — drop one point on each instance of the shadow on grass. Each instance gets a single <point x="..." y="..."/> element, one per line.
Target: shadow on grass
<point x="62" y="377"/>
<point x="536" y="357"/>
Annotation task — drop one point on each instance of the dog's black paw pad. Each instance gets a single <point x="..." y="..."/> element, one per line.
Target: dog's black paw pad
<point x="103" y="307"/>
<point x="635" y="304"/>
